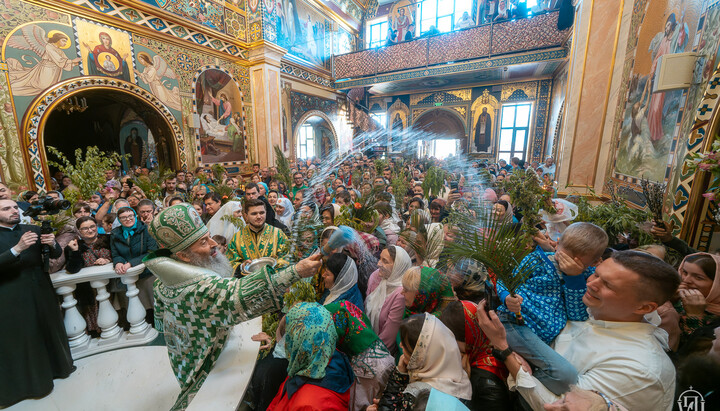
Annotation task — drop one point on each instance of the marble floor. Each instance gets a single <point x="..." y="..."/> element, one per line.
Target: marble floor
<point x="140" y="378"/>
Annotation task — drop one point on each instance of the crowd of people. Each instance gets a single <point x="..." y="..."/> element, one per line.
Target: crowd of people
<point x="384" y="323"/>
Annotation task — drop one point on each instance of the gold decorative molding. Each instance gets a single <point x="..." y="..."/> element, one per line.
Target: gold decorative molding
<point x="439" y="96"/>
<point x="418" y="112"/>
<point x="530" y="89"/>
<point x="461" y="110"/>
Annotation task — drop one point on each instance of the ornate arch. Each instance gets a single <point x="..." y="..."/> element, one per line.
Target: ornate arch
<point x="249" y="144"/>
<point x="33" y="125"/>
<point x="307" y="115"/>
<point x="454" y="113"/>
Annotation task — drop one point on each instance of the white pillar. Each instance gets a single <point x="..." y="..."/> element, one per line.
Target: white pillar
<point x="74" y="322"/>
<point x="107" y="316"/>
<point x="136" y="310"/>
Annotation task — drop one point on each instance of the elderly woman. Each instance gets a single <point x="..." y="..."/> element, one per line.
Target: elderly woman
<point x="340" y="281"/>
<point x="129" y="244"/>
<point x="220" y="223"/>
<point x="319" y="376"/>
<point x="426" y="290"/>
<point x="431" y="360"/>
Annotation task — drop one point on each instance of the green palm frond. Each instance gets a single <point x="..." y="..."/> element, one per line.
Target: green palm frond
<point x="283" y="167"/>
<point x="493" y="242"/>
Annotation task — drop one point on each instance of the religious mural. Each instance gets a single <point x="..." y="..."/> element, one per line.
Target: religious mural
<point x="209" y="13"/>
<point x="485" y="110"/>
<point x="650" y="119"/>
<point x="39" y="55"/>
<point x="155" y="73"/>
<point x="137" y="143"/>
<point x="301" y="29"/>
<point x="105" y="51"/>
<point x="219" y="105"/>
<point x="401" y="16"/>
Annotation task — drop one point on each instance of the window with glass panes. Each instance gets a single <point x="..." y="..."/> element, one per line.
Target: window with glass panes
<point x="306" y="142"/>
<point x="514" y="131"/>
<point x="377" y="34"/>
<point x="443" y="14"/>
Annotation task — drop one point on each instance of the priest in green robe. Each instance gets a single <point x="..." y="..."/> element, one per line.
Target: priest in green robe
<point x="257" y="239"/>
<point x="197" y="301"/>
<point x="34" y="346"/>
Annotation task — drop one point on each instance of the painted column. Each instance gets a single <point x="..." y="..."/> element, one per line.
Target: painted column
<point x="267" y="107"/>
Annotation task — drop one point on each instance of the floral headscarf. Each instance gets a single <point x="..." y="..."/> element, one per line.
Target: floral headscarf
<point x="309" y="340"/>
<point x="434" y="293"/>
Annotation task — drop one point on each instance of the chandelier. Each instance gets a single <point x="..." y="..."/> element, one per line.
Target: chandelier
<point x="72" y="104"/>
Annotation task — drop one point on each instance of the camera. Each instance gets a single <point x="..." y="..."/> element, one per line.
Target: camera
<point x="46" y="206"/>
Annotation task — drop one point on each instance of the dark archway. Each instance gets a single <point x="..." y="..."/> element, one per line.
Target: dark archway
<point x="442" y="124"/>
<point x="106" y="123"/>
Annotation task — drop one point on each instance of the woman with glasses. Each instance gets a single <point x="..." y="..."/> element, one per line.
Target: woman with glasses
<point x="129" y="244"/>
<point x="89" y="250"/>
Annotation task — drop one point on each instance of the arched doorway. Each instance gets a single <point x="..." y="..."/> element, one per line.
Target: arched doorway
<point x="447" y="130"/>
<point x="113" y="107"/>
<point x="315" y="136"/>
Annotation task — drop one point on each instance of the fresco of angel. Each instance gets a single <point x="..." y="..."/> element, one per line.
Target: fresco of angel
<point x="30" y="81"/>
<point x="156" y="70"/>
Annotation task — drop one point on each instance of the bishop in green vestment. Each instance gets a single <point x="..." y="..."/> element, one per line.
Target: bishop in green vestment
<point x="196" y="304"/>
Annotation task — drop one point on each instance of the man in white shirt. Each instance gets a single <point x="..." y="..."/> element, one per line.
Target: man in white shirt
<point x="615" y="352"/>
<point x="549" y="166"/>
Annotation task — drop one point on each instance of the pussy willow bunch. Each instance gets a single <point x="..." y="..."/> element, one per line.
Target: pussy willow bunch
<point x="654" y="193"/>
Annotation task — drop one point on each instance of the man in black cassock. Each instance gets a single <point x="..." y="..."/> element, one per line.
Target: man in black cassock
<point x="34" y="346"/>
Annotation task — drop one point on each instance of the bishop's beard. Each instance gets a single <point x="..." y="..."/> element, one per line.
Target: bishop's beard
<point x="218" y="264"/>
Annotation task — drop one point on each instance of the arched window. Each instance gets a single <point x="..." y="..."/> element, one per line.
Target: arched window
<point x="306" y="142"/>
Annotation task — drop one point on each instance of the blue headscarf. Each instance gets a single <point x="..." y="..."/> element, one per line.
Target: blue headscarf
<point x="310" y="347"/>
<point x="267" y="190"/>
<point x="128" y="231"/>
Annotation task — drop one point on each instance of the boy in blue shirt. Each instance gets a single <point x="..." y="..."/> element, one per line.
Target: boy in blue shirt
<point x="550" y="297"/>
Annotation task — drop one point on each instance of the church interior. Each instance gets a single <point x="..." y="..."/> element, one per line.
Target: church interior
<point x="615" y="91"/>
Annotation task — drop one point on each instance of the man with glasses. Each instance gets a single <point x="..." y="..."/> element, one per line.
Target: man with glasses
<point x="298" y="183"/>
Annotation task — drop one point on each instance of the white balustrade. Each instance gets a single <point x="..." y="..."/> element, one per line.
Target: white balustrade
<point x="112" y="336"/>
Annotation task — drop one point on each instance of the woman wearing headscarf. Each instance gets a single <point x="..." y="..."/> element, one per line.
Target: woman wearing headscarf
<point x="385" y="304"/>
<point x="220" y="224"/>
<point x="487" y="374"/>
<point x="340" y="280"/>
<point x="364" y="252"/>
<point x="284" y="211"/>
<point x="129" y="244"/>
<point x="426" y="290"/>
<point x="370" y="359"/>
<point x="431" y="360"/>
<point x="319" y="376"/>
<point x="699" y="292"/>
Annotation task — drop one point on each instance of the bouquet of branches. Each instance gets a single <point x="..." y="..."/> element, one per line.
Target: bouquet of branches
<point x="361" y="215"/>
<point x="86" y="173"/>
<point x="654" y="194"/>
<point x="529" y="196"/>
<point x="152" y="185"/>
<point x="492" y="242"/>
<point x="434" y="182"/>
<point x="283" y="167"/>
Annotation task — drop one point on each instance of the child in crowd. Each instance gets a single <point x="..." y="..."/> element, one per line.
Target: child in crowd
<point x="222" y="243"/>
<point x="550" y="297"/>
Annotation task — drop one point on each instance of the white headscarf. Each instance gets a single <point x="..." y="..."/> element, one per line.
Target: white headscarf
<point x="435" y="244"/>
<point x="374" y="302"/>
<point x="285" y="217"/>
<point x="436" y="361"/>
<point x="218" y="226"/>
<point x="344" y="281"/>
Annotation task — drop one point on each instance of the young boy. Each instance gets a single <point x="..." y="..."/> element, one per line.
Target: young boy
<point x="552" y="296"/>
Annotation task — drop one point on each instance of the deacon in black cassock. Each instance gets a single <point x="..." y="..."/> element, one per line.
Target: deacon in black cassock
<point x="34" y="346"/>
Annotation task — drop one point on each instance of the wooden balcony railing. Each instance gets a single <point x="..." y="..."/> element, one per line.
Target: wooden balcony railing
<point x="485" y="41"/>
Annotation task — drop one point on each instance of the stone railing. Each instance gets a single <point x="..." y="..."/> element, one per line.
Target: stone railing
<point x="112" y="336"/>
<point x="484" y="41"/>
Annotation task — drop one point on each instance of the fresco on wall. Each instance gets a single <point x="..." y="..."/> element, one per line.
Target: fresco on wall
<point x="156" y="75"/>
<point x="301" y="30"/>
<point x="209" y="13"/>
<point x="136" y="141"/>
<point x="219" y="105"/>
<point x="401" y="16"/>
<point x="650" y="119"/>
<point x="39" y="55"/>
<point x="104" y="51"/>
